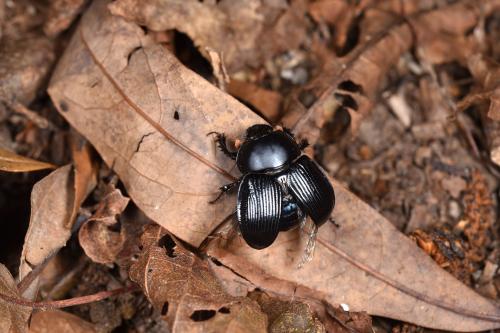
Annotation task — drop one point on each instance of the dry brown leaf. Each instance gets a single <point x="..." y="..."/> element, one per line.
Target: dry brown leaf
<point x="184" y="288"/>
<point x="98" y="236"/>
<point x="55" y="321"/>
<point x="11" y="162"/>
<point x="13" y="318"/>
<point x="267" y="102"/>
<point x="487" y="90"/>
<point x="334" y="12"/>
<point x="85" y="172"/>
<point x="122" y="93"/>
<point x="24" y="65"/>
<point x="51" y="205"/>
<point x="244" y="32"/>
<point x="55" y="201"/>
<point x="487" y="74"/>
<point x="128" y="109"/>
<point x="353" y="81"/>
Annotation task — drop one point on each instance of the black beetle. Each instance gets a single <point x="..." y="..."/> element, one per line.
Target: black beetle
<point x="279" y="185"/>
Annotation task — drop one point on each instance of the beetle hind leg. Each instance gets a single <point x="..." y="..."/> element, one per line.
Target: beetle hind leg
<point x="310" y="245"/>
<point x="220" y="138"/>
<point x="332" y="221"/>
<point x="224" y="189"/>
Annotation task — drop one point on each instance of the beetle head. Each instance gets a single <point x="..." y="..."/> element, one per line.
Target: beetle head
<point x="257" y="131"/>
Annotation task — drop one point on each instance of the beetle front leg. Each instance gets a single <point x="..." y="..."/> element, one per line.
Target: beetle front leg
<point x="303" y="144"/>
<point x="224" y="189"/>
<point x="332" y="221"/>
<point x="221" y="143"/>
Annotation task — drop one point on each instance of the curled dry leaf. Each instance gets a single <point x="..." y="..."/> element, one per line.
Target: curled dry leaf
<point x="244" y="32"/>
<point x="55" y="201"/>
<point x="11" y="162"/>
<point x="55" y="321"/>
<point x="85" y="171"/>
<point x="184" y="289"/>
<point x="487" y="74"/>
<point x="123" y="93"/>
<point x="51" y="205"/>
<point x="98" y="235"/>
<point x="13" y="317"/>
<point x="334" y="12"/>
<point x="353" y="81"/>
<point x="267" y="102"/>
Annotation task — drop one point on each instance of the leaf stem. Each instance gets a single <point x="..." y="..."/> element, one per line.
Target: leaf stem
<point x="70" y="301"/>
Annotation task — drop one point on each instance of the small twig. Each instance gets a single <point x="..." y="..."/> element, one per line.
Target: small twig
<point x="70" y="301"/>
<point x="28" y="279"/>
<point x="40" y="121"/>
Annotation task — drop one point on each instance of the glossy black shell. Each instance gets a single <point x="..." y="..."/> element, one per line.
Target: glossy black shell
<point x="267" y="153"/>
<point x="279" y="187"/>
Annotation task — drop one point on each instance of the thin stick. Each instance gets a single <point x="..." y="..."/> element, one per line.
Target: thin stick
<point x="25" y="283"/>
<point x="68" y="302"/>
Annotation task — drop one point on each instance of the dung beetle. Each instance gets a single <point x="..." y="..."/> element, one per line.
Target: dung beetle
<point x="279" y="186"/>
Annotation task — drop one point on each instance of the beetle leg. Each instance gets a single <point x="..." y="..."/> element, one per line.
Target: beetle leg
<point x="310" y="246"/>
<point x="224" y="189"/>
<point x="221" y="143"/>
<point x="303" y="144"/>
<point x="289" y="132"/>
<point x="333" y="222"/>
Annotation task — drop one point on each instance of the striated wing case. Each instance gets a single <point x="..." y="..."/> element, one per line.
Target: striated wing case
<point x="259" y="209"/>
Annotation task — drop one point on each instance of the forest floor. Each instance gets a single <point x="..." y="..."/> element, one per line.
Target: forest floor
<point x="106" y="169"/>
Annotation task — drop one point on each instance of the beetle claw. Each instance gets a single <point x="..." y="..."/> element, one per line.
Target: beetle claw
<point x="220" y="138"/>
<point x="333" y="222"/>
<point x="223" y="189"/>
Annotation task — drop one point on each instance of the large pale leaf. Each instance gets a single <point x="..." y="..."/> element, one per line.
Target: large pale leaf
<point x="97" y="238"/>
<point x="366" y="264"/>
<point x="121" y="91"/>
<point x="123" y="97"/>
